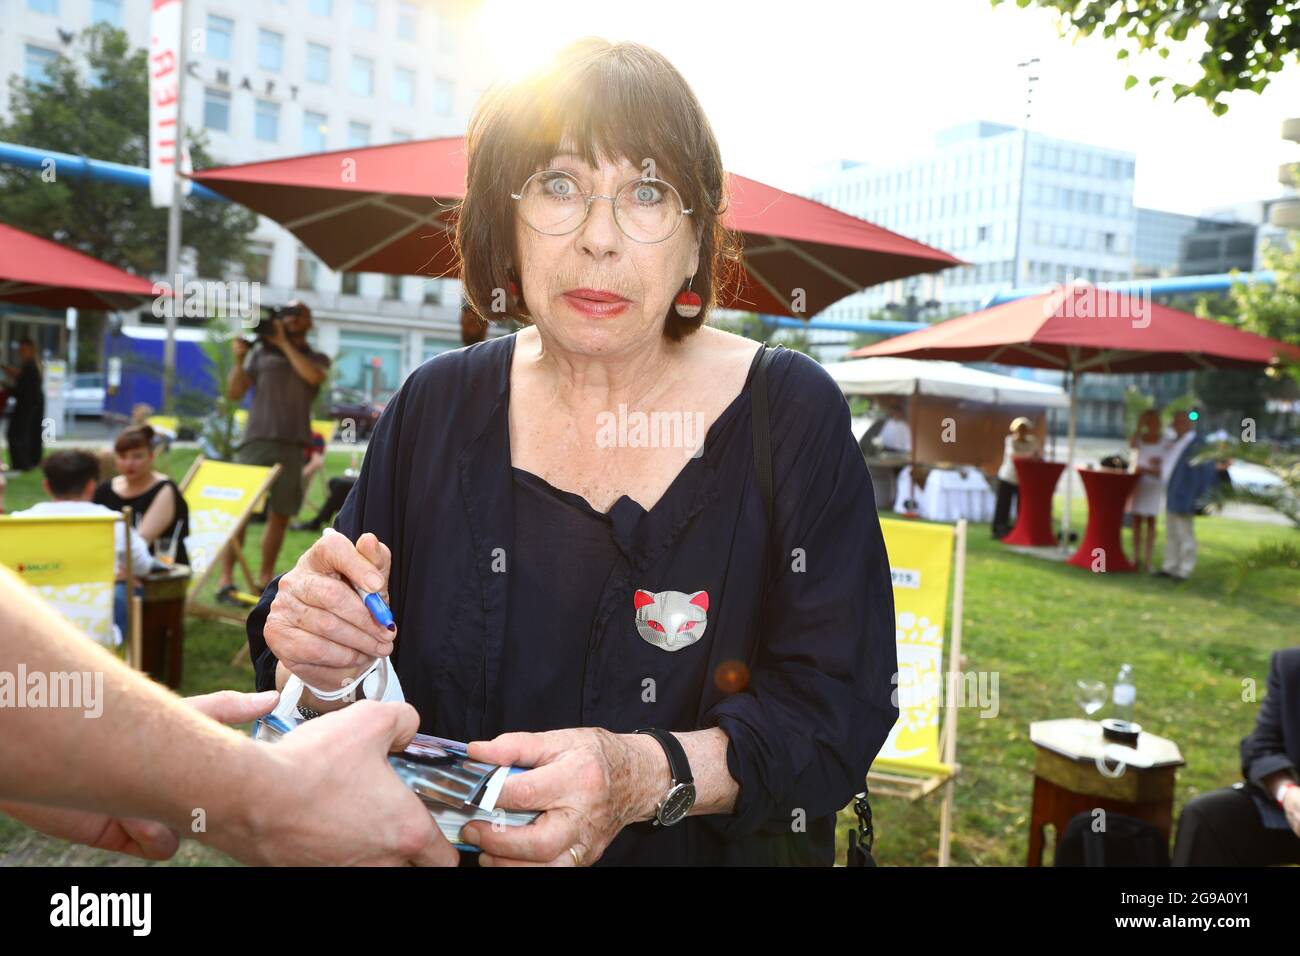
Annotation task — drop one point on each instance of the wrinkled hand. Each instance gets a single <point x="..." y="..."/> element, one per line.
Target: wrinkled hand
<point x="143" y="838"/>
<point x="588" y="782"/>
<point x="317" y="626"/>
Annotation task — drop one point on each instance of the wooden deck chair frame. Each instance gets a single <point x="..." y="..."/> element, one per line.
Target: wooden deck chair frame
<point x="133" y="639"/>
<point x="913" y="788"/>
<point x="209" y="611"/>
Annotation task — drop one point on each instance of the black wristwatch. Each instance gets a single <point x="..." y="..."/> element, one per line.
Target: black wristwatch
<point x="679" y="799"/>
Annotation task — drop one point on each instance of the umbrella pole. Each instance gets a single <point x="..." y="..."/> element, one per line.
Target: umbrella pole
<point x="1072" y="378"/>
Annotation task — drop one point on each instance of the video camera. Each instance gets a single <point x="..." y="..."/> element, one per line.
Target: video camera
<point x="265" y="326"/>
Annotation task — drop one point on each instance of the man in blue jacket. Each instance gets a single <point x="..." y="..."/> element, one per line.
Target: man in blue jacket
<point x="1185" y="485"/>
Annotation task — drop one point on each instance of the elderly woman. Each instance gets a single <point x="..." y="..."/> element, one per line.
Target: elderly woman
<point x="562" y="584"/>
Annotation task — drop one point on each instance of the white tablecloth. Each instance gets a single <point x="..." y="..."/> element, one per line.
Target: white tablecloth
<point x="947" y="495"/>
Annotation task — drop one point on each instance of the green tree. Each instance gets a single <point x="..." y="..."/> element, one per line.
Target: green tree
<point x="1245" y="43"/>
<point x="96" y="104"/>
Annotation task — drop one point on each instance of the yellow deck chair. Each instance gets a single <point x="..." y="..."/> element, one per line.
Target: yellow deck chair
<point x="920" y="754"/>
<point x="220" y="496"/>
<point x="70" y="561"/>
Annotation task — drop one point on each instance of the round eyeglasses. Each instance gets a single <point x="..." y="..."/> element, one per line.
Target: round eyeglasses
<point x="555" y="204"/>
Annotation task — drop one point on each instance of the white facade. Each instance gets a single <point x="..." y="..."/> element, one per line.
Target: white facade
<point x="1074" y="217"/>
<point x="289" y="77"/>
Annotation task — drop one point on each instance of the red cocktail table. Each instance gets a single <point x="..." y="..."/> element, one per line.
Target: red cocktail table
<point x="1107" y="490"/>
<point x="1034" y="513"/>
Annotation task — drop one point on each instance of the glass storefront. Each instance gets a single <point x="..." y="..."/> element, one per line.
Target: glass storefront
<point x="356" y="362"/>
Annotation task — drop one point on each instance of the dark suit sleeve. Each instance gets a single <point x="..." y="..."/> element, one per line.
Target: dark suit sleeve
<point x="1263" y="751"/>
<point x="818" y="705"/>
<point x="369" y="507"/>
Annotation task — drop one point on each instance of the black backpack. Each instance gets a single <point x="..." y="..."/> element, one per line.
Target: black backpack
<point x="1126" y="841"/>
<point x="861" y="839"/>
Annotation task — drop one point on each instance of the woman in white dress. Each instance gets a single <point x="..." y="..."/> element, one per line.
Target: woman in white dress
<point x="1148" y="494"/>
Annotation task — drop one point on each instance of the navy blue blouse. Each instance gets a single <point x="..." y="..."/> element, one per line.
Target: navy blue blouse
<point x="701" y="616"/>
<point x="564" y="553"/>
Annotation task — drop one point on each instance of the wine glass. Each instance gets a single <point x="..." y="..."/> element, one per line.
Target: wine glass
<point x="1090" y="695"/>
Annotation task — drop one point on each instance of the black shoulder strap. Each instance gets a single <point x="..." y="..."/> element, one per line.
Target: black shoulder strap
<point x="763" y="429"/>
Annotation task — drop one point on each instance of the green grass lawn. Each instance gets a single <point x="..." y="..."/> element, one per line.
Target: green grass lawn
<point x="1039" y="625"/>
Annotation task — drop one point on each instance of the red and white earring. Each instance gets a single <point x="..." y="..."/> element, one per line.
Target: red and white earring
<point x="688" y="303"/>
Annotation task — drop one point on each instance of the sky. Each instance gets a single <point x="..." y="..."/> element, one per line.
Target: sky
<point x="791" y="88"/>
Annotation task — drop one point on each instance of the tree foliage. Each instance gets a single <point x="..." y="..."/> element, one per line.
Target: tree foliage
<point x="96" y="104"/>
<point x="1245" y="43"/>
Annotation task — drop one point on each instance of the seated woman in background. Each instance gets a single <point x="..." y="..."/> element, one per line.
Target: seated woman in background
<point x="162" y="515"/>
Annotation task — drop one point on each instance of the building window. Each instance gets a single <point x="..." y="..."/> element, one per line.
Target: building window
<point x="270" y="51"/>
<point x="404" y="86"/>
<point x="363" y="14"/>
<point x="318" y="63"/>
<point x="434" y="347"/>
<point x="220" y="38"/>
<point x="401" y="136"/>
<point x="216" y="110"/>
<point x="107" y="11"/>
<point x="393" y="287"/>
<point x="358" y="134"/>
<point x="257" y="264"/>
<point x="308" y="268"/>
<point x="315" y="131"/>
<point x="408" y="21"/>
<point x="443" y="96"/>
<point x="363" y="76"/>
<point x="370" y="362"/>
<point x="266" y="124"/>
<point x="321" y="8"/>
<point x="350" y="283"/>
<point x="50" y="7"/>
<point x="37" y="63"/>
<point x="446" y="35"/>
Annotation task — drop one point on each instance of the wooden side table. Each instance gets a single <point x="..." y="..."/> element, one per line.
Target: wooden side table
<point x="162" y="624"/>
<point x="1068" y="781"/>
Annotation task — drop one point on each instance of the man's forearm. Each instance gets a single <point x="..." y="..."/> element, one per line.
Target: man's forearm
<point x="307" y="370"/>
<point x="237" y="382"/>
<point x="145" y="755"/>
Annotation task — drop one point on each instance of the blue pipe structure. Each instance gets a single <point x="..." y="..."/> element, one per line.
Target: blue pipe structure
<point x="65" y="164"/>
<point x="872" y="327"/>
<point x="1175" y="285"/>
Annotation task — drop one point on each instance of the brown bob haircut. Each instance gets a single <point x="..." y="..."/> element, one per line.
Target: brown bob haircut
<point x="134" y="436"/>
<point x="610" y="101"/>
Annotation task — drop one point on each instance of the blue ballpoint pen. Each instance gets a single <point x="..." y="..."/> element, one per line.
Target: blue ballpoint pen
<point x="377" y="608"/>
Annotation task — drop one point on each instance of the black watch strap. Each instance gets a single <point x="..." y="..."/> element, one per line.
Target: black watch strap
<point x="678" y="765"/>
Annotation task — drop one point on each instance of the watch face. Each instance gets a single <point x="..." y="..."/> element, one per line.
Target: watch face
<point x="677" y="804"/>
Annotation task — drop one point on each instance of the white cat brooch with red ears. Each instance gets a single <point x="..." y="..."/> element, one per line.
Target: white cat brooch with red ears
<point x="671" y="620"/>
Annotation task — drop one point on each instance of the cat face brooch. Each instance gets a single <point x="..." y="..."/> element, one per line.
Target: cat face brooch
<point x="671" y="620"/>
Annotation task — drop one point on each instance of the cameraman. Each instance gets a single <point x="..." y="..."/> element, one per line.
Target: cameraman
<point x="285" y="374"/>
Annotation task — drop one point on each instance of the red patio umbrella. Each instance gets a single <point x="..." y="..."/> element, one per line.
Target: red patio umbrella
<point x="36" y="271"/>
<point x="388" y="209"/>
<point x="1082" y="328"/>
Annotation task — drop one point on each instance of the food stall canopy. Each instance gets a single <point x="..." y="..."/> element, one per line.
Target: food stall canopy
<point x="900" y="376"/>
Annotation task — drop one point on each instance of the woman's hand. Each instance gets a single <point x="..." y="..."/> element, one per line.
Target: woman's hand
<point x="588" y="782"/>
<point x="317" y="626"/>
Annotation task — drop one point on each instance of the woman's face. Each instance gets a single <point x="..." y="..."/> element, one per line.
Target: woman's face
<point x="561" y="275"/>
<point x="134" y="463"/>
